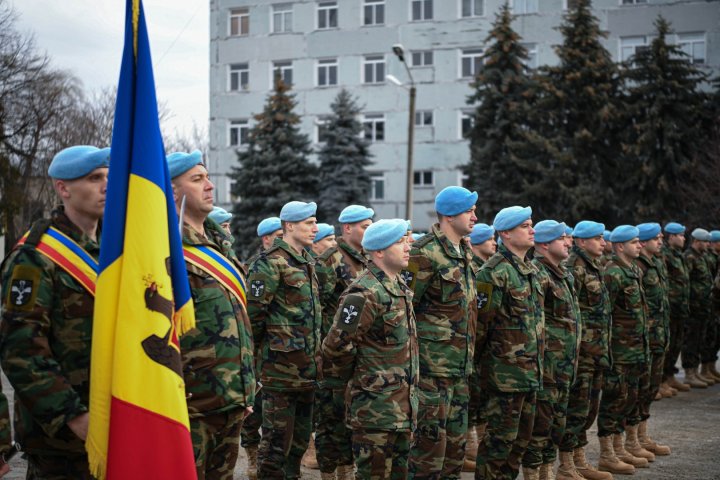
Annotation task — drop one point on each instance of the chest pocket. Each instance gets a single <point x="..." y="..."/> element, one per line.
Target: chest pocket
<point x="632" y="297"/>
<point x="451" y="285"/>
<point x="395" y="330"/>
<point x="293" y="280"/>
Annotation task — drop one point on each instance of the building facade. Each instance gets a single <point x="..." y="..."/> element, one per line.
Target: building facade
<point x="321" y="46"/>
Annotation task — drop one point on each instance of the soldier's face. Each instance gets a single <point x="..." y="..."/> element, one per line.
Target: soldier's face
<point x="463" y="223"/>
<point x="196" y="187"/>
<point x="568" y="241"/>
<point x="354" y="232"/>
<point x="593" y="246"/>
<point x="397" y="255"/>
<point x="631" y="248"/>
<point x="652" y="246"/>
<point x="522" y="236"/>
<point x="676" y="240"/>
<point x="85" y="195"/>
<point x="559" y="248"/>
<point x="320" y="246"/>
<point x="267" y="240"/>
<point x="485" y="249"/>
<point x="302" y="232"/>
<point x="608" y="246"/>
<point x="716" y="247"/>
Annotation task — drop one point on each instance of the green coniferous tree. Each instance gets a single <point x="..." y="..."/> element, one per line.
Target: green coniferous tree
<point x="343" y="159"/>
<point x="273" y="170"/>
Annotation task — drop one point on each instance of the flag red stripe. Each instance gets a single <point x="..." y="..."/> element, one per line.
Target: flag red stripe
<point x="218" y="274"/>
<point x="86" y="282"/>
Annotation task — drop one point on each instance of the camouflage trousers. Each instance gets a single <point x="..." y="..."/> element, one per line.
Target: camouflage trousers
<point x="250" y="431"/>
<point x="333" y="439"/>
<point x="510" y="417"/>
<point x="438" y="450"/>
<point x="695" y="330"/>
<point x="54" y="467"/>
<point x="476" y="398"/>
<point x="381" y="455"/>
<point x="619" y="400"/>
<point x="649" y="386"/>
<point x="583" y="407"/>
<point x="286" y="429"/>
<point x="709" y="350"/>
<point x="677" y="333"/>
<point x="548" y="425"/>
<point x="216" y="443"/>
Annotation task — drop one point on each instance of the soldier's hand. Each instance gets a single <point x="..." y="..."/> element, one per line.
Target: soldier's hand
<point x="79" y="425"/>
<point x="247" y="412"/>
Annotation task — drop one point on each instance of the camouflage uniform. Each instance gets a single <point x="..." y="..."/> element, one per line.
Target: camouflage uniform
<point x="285" y="314"/>
<point x="5" y="429"/>
<point x="628" y="346"/>
<point x="445" y="302"/>
<point x="476" y="394"/>
<point x="510" y="352"/>
<point x="678" y="298"/>
<point x="45" y="353"/>
<point x="594" y="354"/>
<point x="708" y="353"/>
<point x="373" y="345"/>
<point x="701" y="282"/>
<point x="562" y="343"/>
<point x="217" y="358"/>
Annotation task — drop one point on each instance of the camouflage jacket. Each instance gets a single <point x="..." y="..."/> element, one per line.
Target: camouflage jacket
<point x="479" y="262"/>
<point x="337" y="267"/>
<point x="45" y="349"/>
<point x="562" y="323"/>
<point x="372" y="343"/>
<point x="701" y="281"/>
<point x="654" y="281"/>
<point x="443" y="281"/>
<point x="712" y="261"/>
<point x="510" y="324"/>
<point x="285" y="315"/>
<point x="217" y="355"/>
<point x="678" y="283"/>
<point x="5" y="428"/>
<point x="629" y="338"/>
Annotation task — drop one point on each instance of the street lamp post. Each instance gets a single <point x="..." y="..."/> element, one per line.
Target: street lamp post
<point x="399" y="52"/>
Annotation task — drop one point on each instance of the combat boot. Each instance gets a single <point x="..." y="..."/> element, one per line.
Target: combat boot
<point x="714" y="370"/>
<point x="659" y="396"/>
<point x="609" y="462"/>
<point x="706" y="372"/>
<point x="666" y="391"/>
<point x="624" y="455"/>
<point x="585" y="469"/>
<point x="692" y="379"/>
<point x="567" y="470"/>
<point x="251" y="471"/>
<point x="471" y="448"/>
<point x="531" y="473"/>
<point x="632" y="444"/>
<point x="546" y="472"/>
<point x="648" y="443"/>
<point x="346" y="472"/>
<point x="309" y="459"/>
<point x="704" y="378"/>
<point x="674" y="383"/>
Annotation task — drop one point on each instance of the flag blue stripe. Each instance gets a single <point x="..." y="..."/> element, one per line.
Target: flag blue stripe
<point x="74" y="247"/>
<point x="222" y="261"/>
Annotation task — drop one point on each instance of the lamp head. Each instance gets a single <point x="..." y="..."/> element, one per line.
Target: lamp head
<point x="399" y="51"/>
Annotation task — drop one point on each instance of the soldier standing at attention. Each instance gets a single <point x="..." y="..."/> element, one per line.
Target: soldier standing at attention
<point x="709" y="350"/>
<point x="608" y="252"/>
<point x="562" y="342"/>
<point x="324" y="239"/>
<point x="47" y="318"/>
<point x="285" y="311"/>
<point x="217" y="355"/>
<point x="373" y="345"/>
<point x="482" y="243"/>
<point x="222" y="217"/>
<point x="594" y="356"/>
<point x="442" y="277"/>
<point x="510" y="346"/>
<point x="268" y="230"/>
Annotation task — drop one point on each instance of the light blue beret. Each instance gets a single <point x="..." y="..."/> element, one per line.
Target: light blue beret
<point x="549" y="230"/>
<point x="481" y="233"/>
<point x="648" y="231"/>
<point x="454" y="201"/>
<point x="589" y="229"/>
<point x="417" y="236"/>
<point x="324" y="230"/>
<point x="76" y="162"/>
<point x="715" y="235"/>
<point x="674" y="228"/>
<point x="220" y="215"/>
<point x="606" y="236"/>
<point x="624" y="233"/>
<point x="701" y="234"/>
<point x="268" y="226"/>
<point x="383" y="233"/>
<point x="297" y="211"/>
<point x="510" y="217"/>
<point x="568" y="230"/>
<point x="355" y="213"/>
<point x="181" y="162"/>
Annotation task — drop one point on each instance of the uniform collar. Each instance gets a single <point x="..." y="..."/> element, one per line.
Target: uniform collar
<point x="358" y="256"/>
<point x="526" y="268"/>
<point x="558" y="270"/>
<point x="594" y="262"/>
<point x="393" y="286"/>
<point x="303" y="257"/>
<point x="464" y="252"/>
<point x="63" y="223"/>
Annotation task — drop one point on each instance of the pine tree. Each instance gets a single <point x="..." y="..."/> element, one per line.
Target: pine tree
<point x="343" y="160"/>
<point x="273" y="170"/>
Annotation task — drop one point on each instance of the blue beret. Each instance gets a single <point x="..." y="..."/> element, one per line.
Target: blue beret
<point x="355" y="213"/>
<point x="324" y="230"/>
<point x="481" y="233"/>
<point x="76" y="162"/>
<point x="297" y="211"/>
<point x="383" y="233"/>
<point x="181" y="162"/>
<point x="715" y="235"/>
<point x="549" y="230"/>
<point x="268" y="226"/>
<point x="589" y="229"/>
<point x="701" y="234"/>
<point x="510" y="217"/>
<point x="648" y="231"/>
<point x="674" y="228"/>
<point x="417" y="236"/>
<point x="454" y="201"/>
<point x="624" y="233"/>
<point x="220" y="215"/>
<point x="568" y="230"/>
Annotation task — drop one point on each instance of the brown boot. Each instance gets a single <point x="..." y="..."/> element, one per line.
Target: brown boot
<point x="632" y="444"/>
<point x="468" y="465"/>
<point x="705" y="372"/>
<point x="546" y="472"/>
<point x="713" y="370"/>
<point x="585" y="469"/>
<point x="609" y="462"/>
<point x="531" y="473"/>
<point x="251" y="471"/>
<point x="665" y="390"/>
<point x="327" y="476"/>
<point x="471" y="448"/>
<point x="674" y="383"/>
<point x="624" y="455"/>
<point x="704" y="378"/>
<point x="648" y="443"/>
<point x="346" y="472"/>
<point x="309" y="460"/>
<point x="567" y="470"/>
<point x="693" y="380"/>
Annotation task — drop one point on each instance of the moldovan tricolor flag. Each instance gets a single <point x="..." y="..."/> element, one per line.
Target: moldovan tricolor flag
<point x="139" y="425"/>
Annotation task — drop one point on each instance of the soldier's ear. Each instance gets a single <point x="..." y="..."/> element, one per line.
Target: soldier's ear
<point x="61" y="188"/>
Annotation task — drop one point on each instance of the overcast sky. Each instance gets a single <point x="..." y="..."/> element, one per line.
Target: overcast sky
<point x="86" y="38"/>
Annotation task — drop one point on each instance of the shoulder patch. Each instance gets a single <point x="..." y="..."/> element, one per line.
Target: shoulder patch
<point x="24" y="286"/>
<point x="493" y="261"/>
<point x="409" y="275"/>
<point x="484" y="295"/>
<point x="350" y="312"/>
<point x="423" y="241"/>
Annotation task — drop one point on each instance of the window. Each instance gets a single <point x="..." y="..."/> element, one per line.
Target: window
<point x="632" y="2"/>
<point x="285" y="70"/>
<point x="424" y="118"/>
<point x="423" y="178"/>
<point x="693" y="44"/>
<point x="629" y="46"/>
<point x="520" y="7"/>
<point x="282" y="18"/>
<point x="470" y="62"/>
<point x="532" y="52"/>
<point x="229" y="187"/>
<point x="422" y="59"/>
<point x="321" y="129"/>
<point x="421" y="9"/>
<point x="374" y="127"/>
<point x="239" y="21"/>
<point x="570" y="4"/>
<point x="374" y="12"/>
<point x="327" y="72"/>
<point x="238" y="132"/>
<point x="472" y="8"/>
<point x="377" y="186"/>
<point x="374" y="69"/>
<point x="466" y="123"/>
<point x="327" y="15"/>
<point x="238" y="77"/>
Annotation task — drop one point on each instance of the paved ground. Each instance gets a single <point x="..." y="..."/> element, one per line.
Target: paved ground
<point x="689" y="423"/>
